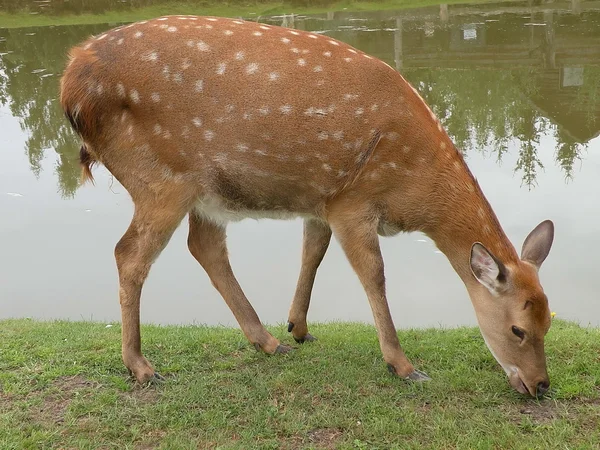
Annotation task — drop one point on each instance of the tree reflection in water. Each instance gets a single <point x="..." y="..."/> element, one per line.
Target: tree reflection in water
<point x="490" y="81"/>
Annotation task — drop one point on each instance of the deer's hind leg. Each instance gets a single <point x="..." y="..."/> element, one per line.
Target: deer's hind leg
<point x="207" y="243"/>
<point x="317" y="236"/>
<point x="154" y="221"/>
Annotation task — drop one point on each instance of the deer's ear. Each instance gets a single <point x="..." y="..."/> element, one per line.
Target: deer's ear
<point x="538" y="243"/>
<point x="488" y="270"/>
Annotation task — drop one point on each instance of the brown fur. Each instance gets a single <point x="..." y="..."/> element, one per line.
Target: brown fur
<point x="221" y="119"/>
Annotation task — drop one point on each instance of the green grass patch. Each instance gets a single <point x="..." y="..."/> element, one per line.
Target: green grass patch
<point x="62" y="385"/>
<point x="225" y="9"/>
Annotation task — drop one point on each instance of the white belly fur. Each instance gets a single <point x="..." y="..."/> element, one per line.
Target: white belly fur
<point x="213" y="208"/>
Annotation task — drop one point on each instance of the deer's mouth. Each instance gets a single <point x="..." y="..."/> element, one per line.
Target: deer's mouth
<point x="517" y="383"/>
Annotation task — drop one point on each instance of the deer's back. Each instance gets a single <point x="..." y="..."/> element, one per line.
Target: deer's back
<point x="261" y="117"/>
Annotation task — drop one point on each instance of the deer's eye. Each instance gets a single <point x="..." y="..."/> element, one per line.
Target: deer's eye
<point x="518" y="332"/>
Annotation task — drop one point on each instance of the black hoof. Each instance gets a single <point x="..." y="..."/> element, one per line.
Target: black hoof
<point x="418" y="376"/>
<point x="158" y="377"/>
<point x="290" y="327"/>
<point x="307" y="338"/>
<point x="283" y="349"/>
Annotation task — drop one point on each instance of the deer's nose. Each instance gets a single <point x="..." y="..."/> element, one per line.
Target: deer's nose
<point x="541" y="388"/>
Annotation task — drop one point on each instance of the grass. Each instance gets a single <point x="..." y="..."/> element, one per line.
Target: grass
<point x="226" y="9"/>
<point x="62" y="385"/>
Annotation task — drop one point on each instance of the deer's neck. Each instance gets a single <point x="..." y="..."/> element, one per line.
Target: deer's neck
<point x="463" y="216"/>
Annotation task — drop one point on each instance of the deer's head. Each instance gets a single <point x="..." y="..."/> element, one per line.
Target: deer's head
<point x="512" y="309"/>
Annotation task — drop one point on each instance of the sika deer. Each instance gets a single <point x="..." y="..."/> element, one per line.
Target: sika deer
<point x="224" y="119"/>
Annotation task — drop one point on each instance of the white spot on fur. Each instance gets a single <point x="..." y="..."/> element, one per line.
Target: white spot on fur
<point x="295" y="33"/>
<point x="334" y="43"/>
<point x="257" y="33"/>
<point x="138" y="34"/>
<point x="220" y="158"/>
<point x="405" y="148"/>
<point x="186" y="64"/>
<point x="359" y="112"/>
<point x="349" y="97"/>
<point x="301" y="62"/>
<point x="313" y="36"/>
<point x="338" y="135"/>
<point x="442" y="146"/>
<point x="241" y="148"/>
<point x="374" y="107"/>
<point x="326" y="167"/>
<point x="211" y="19"/>
<point x="264" y="110"/>
<point x="157" y="129"/>
<point x="197" y="122"/>
<point x="260" y="152"/>
<point x="239" y="56"/>
<point x="273" y="76"/>
<point x="203" y="46"/>
<point x="264" y="27"/>
<point x="209" y="135"/>
<point x="285" y="109"/>
<point x="121" y="90"/>
<point x="190" y="43"/>
<point x="221" y="67"/>
<point x="252" y="68"/>
<point x="178" y="78"/>
<point x="322" y="136"/>
<point x="285" y="40"/>
<point x="199" y="86"/>
<point x="238" y="22"/>
<point x="166" y="72"/>
<point x="185" y="132"/>
<point x="318" y="69"/>
<point x="295" y="50"/>
<point x="150" y="56"/>
<point x="135" y="96"/>
<point x="327" y="54"/>
<point x="120" y="41"/>
<point x="312" y="111"/>
<point x="348" y="59"/>
<point x="99" y="38"/>
<point x="351" y="50"/>
<point x="227" y="32"/>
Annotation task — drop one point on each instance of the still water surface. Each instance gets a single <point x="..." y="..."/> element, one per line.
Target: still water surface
<point x="517" y="87"/>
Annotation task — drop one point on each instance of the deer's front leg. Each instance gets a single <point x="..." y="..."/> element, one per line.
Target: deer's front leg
<point x="317" y="235"/>
<point x="357" y="234"/>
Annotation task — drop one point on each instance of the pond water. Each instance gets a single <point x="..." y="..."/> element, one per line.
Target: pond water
<point x="516" y="84"/>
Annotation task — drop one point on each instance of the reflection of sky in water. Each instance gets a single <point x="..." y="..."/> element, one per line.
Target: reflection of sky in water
<point x="57" y="251"/>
